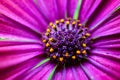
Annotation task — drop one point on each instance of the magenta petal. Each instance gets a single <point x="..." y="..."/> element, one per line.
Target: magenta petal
<point x="103" y="11"/>
<point x="87" y="8"/>
<point x="44" y="73"/>
<point x="62" y="7"/>
<point x="12" y="72"/>
<point x="48" y="8"/>
<point x="69" y="74"/>
<point x="18" y="53"/>
<point x="95" y="73"/>
<point x="71" y="7"/>
<point x="20" y="14"/>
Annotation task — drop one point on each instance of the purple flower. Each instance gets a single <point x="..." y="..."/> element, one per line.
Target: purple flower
<point x="59" y="39"/>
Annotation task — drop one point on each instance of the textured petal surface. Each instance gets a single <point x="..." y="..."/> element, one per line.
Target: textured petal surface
<point x="87" y="8"/>
<point x="22" y="13"/>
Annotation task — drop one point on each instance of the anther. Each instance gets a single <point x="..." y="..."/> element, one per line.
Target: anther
<point x="57" y="22"/>
<point x="84" y="45"/>
<point x="62" y="20"/>
<point x="50" y="24"/>
<point x="47" y="45"/>
<point x="50" y="39"/>
<point x="54" y="27"/>
<point x="44" y="40"/>
<point x="66" y="54"/>
<point x="87" y="34"/>
<point x="54" y="56"/>
<point x="61" y="59"/>
<point x="51" y="49"/>
<point x="79" y="25"/>
<point x="47" y="34"/>
<point x="83" y="37"/>
<point x="67" y="23"/>
<point x="78" y="52"/>
<point x="48" y="30"/>
<point x="74" y="57"/>
<point x="84" y="52"/>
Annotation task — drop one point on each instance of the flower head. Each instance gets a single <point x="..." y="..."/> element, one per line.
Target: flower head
<point x="59" y="39"/>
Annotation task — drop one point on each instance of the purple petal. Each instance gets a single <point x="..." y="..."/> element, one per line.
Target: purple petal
<point x="15" y="54"/>
<point x="22" y="13"/>
<point x="95" y="73"/>
<point x="71" y="7"/>
<point x="44" y="73"/>
<point x="103" y="11"/>
<point x="112" y="27"/>
<point x="62" y="7"/>
<point x="87" y="8"/>
<point x="14" y="71"/>
<point x="48" y="8"/>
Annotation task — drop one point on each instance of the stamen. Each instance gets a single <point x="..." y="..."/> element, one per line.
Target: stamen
<point x="66" y="41"/>
<point x="51" y="49"/>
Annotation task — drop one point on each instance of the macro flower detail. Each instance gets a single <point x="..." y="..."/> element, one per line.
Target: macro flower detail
<point x="59" y="39"/>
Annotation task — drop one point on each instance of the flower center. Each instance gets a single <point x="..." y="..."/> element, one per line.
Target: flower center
<point x="66" y="41"/>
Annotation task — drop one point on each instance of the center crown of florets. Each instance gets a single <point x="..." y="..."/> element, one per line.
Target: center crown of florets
<point x="66" y="41"/>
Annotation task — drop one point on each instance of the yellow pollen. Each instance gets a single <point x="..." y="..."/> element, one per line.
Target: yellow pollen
<point x="66" y="54"/>
<point x="54" y="56"/>
<point x="67" y="22"/>
<point x="46" y="33"/>
<point x="79" y="25"/>
<point x="50" y="39"/>
<point x="56" y="21"/>
<point x="83" y="37"/>
<point x="62" y="20"/>
<point x="78" y="52"/>
<point x="61" y="59"/>
<point x="51" y="49"/>
<point x="73" y="57"/>
<point x="87" y="34"/>
<point x="84" y="45"/>
<point x="48" y="30"/>
<point x="47" y="45"/>
<point x="73" y="22"/>
<point x="53" y="26"/>
<point x="78" y="20"/>
<point x="84" y="52"/>
<point x="44" y="40"/>
<point x="50" y="24"/>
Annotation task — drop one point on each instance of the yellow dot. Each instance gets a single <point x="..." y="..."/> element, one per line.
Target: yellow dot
<point x="78" y="52"/>
<point x="78" y="20"/>
<point x="50" y="39"/>
<point x="73" y="57"/>
<point x="50" y="24"/>
<point x="66" y="54"/>
<point x="44" y="40"/>
<point x="67" y="22"/>
<point x="84" y="52"/>
<point x="62" y="20"/>
<point x="84" y="45"/>
<point x="47" y="44"/>
<point x="79" y="25"/>
<point x="87" y="34"/>
<point x="56" y="21"/>
<point x="46" y="33"/>
<point x="54" y="56"/>
<point x="61" y="59"/>
<point x="48" y="30"/>
<point x="51" y="49"/>
<point x="83" y="37"/>
<point x="73" y="22"/>
<point x="53" y="26"/>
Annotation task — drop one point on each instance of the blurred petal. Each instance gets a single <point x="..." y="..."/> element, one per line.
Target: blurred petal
<point x="71" y="7"/>
<point x="48" y="8"/>
<point x="87" y="8"/>
<point x="12" y="72"/>
<point x="104" y="10"/>
<point x="22" y="13"/>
